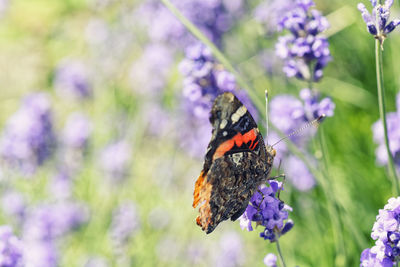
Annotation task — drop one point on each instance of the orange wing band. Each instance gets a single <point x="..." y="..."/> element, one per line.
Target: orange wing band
<point x="238" y="139"/>
<point x="202" y="194"/>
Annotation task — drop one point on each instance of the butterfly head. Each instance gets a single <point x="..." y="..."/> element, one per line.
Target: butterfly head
<point x="271" y="153"/>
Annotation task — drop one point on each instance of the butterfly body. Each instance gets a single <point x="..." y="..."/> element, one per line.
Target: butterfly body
<point x="236" y="163"/>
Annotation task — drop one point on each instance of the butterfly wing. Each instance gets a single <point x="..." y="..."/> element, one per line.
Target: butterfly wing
<point x="235" y="164"/>
<point x="225" y="190"/>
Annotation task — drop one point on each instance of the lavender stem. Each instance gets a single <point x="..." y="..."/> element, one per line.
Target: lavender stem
<point x="280" y="252"/>
<point x="382" y="114"/>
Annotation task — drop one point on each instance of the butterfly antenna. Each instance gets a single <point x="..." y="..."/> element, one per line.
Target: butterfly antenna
<point x="315" y="123"/>
<point x="266" y="115"/>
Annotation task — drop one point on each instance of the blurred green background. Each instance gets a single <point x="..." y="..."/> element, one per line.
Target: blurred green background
<point x="36" y="35"/>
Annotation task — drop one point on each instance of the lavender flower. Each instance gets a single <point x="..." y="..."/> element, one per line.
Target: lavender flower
<point x="269" y="13"/>
<point x="158" y="119"/>
<point x="298" y="174"/>
<point x="231" y="251"/>
<point x="155" y="61"/>
<point x="378" y="22"/>
<point x="14" y="204"/>
<point x="204" y="80"/>
<point x="10" y="248"/>
<point x="305" y="52"/>
<point x="288" y="113"/>
<point x="28" y="138"/>
<point x="124" y="223"/>
<point x="77" y="131"/>
<point x="50" y="221"/>
<point x="270" y="260"/>
<point x="267" y="210"/>
<point x="115" y="160"/>
<point x="213" y="18"/>
<point x="386" y="234"/>
<point x="40" y="254"/>
<point x="72" y="79"/>
<point x="61" y="185"/>
<point x="393" y="126"/>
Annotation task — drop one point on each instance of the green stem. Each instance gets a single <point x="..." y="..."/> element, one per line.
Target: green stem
<point x="333" y="211"/>
<point x="382" y="114"/>
<point x="280" y="252"/>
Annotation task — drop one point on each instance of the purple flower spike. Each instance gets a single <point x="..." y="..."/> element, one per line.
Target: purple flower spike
<point x="393" y="119"/>
<point x="124" y="223"/>
<point x="305" y="52"/>
<point x="49" y="221"/>
<point x="204" y="80"/>
<point x="267" y="210"/>
<point x="14" y="204"/>
<point x="270" y="260"/>
<point x="386" y="234"/>
<point x="231" y="251"/>
<point x="77" y="131"/>
<point x="269" y="12"/>
<point x="378" y="22"/>
<point x="213" y="18"/>
<point x="28" y="138"/>
<point x="72" y="80"/>
<point x="289" y="113"/>
<point x="115" y="160"/>
<point x="41" y="253"/>
<point x="298" y="174"/>
<point x="10" y="248"/>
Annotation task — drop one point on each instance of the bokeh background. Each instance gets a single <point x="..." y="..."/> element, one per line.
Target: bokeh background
<point x="96" y="84"/>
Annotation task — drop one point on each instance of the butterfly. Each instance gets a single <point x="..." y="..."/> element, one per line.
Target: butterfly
<point x="237" y="162"/>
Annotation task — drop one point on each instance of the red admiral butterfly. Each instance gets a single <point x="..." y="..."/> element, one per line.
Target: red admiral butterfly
<point x="236" y="163"/>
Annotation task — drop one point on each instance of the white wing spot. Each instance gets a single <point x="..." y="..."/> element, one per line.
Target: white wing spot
<point x="238" y="114"/>
<point x="223" y="124"/>
<point x="225" y="133"/>
<point x="235" y="117"/>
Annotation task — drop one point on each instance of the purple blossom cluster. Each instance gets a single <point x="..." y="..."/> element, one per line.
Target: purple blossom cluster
<point x="289" y="113"/>
<point x="115" y="159"/>
<point x="156" y="60"/>
<point x="28" y="138"/>
<point x="378" y="22"/>
<point x="212" y="17"/>
<point x="47" y="222"/>
<point x="393" y="127"/>
<point x="305" y="52"/>
<point x="204" y="80"/>
<point x="13" y="204"/>
<point x="270" y="260"/>
<point x="270" y="12"/>
<point x="269" y="211"/>
<point x="71" y="79"/>
<point x="44" y="225"/>
<point x="386" y="234"/>
<point x="230" y="253"/>
<point x="11" y="249"/>
<point x="77" y="131"/>
<point x="125" y="221"/>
